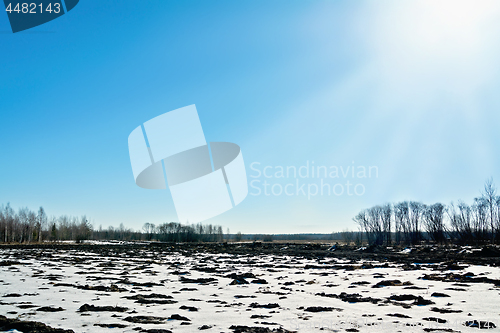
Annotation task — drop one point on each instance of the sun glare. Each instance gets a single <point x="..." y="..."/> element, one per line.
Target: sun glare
<point x="445" y="25"/>
<point x="431" y="44"/>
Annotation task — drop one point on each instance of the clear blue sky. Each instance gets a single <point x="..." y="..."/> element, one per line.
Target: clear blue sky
<point x="409" y="87"/>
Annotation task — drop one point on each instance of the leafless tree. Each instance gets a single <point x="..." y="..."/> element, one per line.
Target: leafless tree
<point x="400" y="216"/>
<point x="372" y="222"/>
<point x="416" y="210"/>
<point x="220" y="234"/>
<point x="490" y="199"/>
<point x="461" y="222"/>
<point x="433" y="216"/>
<point x="149" y="229"/>
<point x="41" y="222"/>
<point x="363" y="222"/>
<point x="386" y="217"/>
<point x="402" y="222"/>
<point x="479" y="220"/>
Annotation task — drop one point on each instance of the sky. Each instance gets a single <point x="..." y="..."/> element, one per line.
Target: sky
<point x="408" y="90"/>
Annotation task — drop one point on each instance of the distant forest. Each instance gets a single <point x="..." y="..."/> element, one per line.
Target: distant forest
<point x="26" y="226"/>
<point x="411" y="222"/>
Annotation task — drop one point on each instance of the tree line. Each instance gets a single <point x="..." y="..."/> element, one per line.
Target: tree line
<point x="411" y="222"/>
<point x="27" y="226"/>
<point x="177" y="232"/>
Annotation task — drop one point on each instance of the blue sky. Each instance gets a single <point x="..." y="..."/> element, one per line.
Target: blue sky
<point x="409" y="87"/>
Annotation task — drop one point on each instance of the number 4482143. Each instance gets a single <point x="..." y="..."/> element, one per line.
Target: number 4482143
<point x="33" y="8"/>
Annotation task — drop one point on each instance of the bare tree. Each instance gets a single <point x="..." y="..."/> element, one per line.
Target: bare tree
<point x="416" y="210"/>
<point x="22" y="219"/>
<point x="220" y="234"/>
<point x="377" y="224"/>
<point x="479" y="220"/>
<point x="42" y="220"/>
<point x="490" y="198"/>
<point x="461" y="222"/>
<point x="434" y="222"/>
<point x="386" y="217"/>
<point x="148" y="229"/>
<point x="402" y="222"/>
<point x="363" y="222"/>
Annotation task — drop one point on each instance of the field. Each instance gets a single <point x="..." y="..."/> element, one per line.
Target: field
<point x="248" y="287"/>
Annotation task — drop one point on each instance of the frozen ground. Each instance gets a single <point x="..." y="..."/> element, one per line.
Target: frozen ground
<point x="143" y="288"/>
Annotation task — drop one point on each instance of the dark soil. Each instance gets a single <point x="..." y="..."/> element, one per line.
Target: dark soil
<point x="238" y="281"/>
<point x="265" y="306"/>
<point x="88" y="307"/>
<point x="204" y="327"/>
<point x="259" y="317"/>
<point x="246" y="329"/>
<point x="200" y="280"/>
<point x="445" y="310"/>
<point x="189" y="308"/>
<point x="145" y="319"/>
<point x="7" y="324"/>
<point x="350" y="298"/>
<point x="111" y="325"/>
<point x="178" y="317"/>
<point x="397" y="315"/>
<point x="437" y="320"/>
<point x="49" y="309"/>
<point x="321" y="309"/>
<point x="439" y="295"/>
<point x="489" y="255"/>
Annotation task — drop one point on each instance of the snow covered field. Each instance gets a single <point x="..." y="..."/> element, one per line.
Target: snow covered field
<point x="153" y="290"/>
